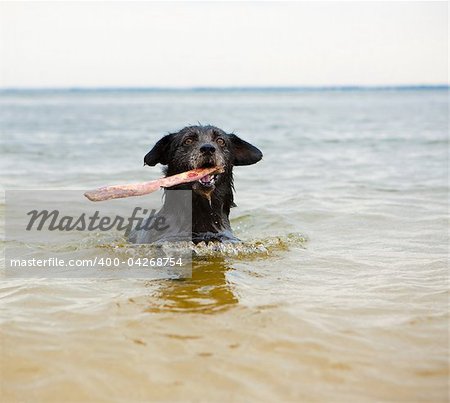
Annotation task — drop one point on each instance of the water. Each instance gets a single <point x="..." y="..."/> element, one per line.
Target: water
<point x="339" y="292"/>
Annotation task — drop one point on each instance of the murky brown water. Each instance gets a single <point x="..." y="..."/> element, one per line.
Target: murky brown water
<point x="194" y="340"/>
<point x="357" y="311"/>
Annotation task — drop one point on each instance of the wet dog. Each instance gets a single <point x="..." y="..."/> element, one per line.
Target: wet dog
<point x="212" y="197"/>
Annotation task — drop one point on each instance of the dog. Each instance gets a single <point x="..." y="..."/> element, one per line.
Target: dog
<point x="211" y="198"/>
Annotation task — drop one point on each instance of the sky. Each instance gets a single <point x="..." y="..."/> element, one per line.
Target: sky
<point x="191" y="44"/>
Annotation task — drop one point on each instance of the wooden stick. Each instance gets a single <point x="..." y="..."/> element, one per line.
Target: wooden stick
<point x="140" y="189"/>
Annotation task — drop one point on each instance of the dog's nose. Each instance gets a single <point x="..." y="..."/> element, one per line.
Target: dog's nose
<point x="207" y="148"/>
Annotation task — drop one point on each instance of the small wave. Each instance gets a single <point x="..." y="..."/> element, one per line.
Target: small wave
<point x="115" y="245"/>
<point x="264" y="246"/>
<point x="256" y="247"/>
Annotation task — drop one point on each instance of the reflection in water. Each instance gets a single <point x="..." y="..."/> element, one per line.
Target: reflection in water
<point x="206" y="292"/>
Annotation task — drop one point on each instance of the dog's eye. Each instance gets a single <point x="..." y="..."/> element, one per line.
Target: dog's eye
<point x="220" y="141"/>
<point x="188" y="141"/>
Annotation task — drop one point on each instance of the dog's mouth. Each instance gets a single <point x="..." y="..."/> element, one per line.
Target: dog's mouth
<point x="208" y="180"/>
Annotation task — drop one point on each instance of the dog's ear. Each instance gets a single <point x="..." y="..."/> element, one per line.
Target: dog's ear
<point x="159" y="154"/>
<point x="244" y="153"/>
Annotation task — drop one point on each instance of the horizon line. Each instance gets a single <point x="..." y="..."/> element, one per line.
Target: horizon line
<point x="229" y="88"/>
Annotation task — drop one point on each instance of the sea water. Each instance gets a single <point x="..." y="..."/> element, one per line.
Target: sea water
<point x="338" y="292"/>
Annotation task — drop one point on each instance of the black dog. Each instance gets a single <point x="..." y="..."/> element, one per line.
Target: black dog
<point x="211" y="197"/>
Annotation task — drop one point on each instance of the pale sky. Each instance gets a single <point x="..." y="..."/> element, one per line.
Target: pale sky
<point x="134" y="44"/>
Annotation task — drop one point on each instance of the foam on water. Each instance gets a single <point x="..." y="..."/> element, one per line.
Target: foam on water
<point x="256" y="247"/>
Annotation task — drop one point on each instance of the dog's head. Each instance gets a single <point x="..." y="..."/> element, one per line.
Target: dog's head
<point x="202" y="147"/>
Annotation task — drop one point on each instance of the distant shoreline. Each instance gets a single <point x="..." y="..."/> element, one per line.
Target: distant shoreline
<point x="337" y="88"/>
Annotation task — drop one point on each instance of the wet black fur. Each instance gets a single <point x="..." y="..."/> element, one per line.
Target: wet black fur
<point x="198" y="147"/>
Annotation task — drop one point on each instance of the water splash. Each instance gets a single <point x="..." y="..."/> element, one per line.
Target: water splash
<point x="252" y="248"/>
<point x="116" y="244"/>
<point x="255" y="247"/>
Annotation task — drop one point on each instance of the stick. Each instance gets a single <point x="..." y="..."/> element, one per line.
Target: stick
<point x="140" y="189"/>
